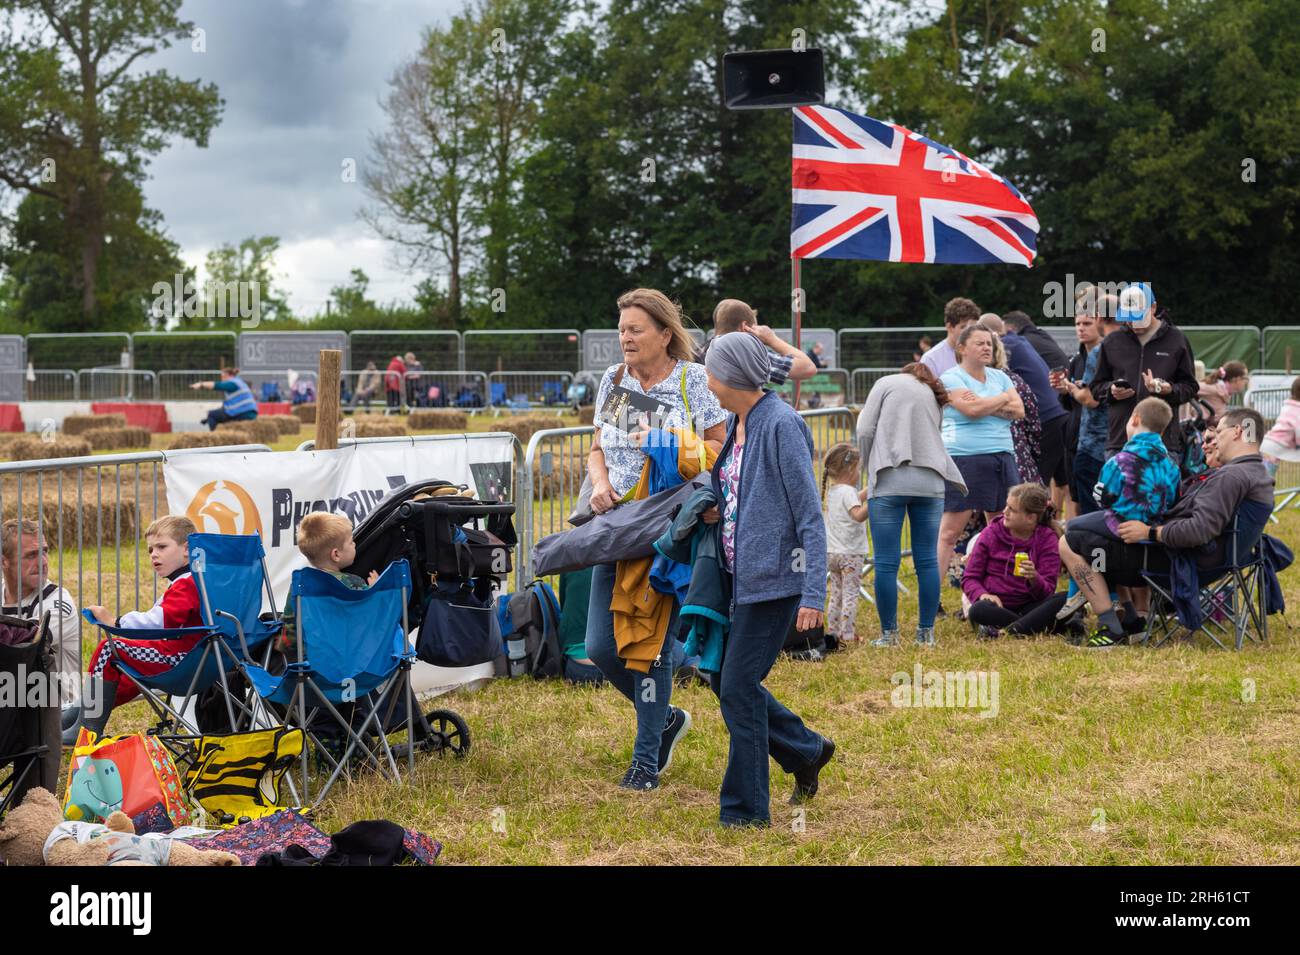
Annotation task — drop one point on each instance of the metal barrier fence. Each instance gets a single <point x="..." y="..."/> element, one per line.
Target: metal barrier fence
<point x="116" y="384"/>
<point x="46" y="384"/>
<point x="532" y="349"/>
<point x="79" y="349"/>
<point x="1268" y="402"/>
<point x="555" y="463"/>
<point x="864" y="379"/>
<point x="180" y="350"/>
<point x="521" y="390"/>
<point x="890" y="348"/>
<point x="436" y="349"/>
<point x="465" y="390"/>
<point x="502" y="350"/>
<point x="828" y="388"/>
<point x="94" y="511"/>
<point x="284" y="382"/>
<point x="175" y="385"/>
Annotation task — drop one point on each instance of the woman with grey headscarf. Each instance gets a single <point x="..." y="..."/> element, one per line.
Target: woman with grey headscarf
<point x="774" y="546"/>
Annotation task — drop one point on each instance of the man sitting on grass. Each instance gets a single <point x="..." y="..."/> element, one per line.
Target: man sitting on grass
<point x="1204" y="511"/>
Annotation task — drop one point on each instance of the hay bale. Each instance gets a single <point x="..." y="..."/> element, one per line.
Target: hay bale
<point x="223" y="437"/>
<point x="375" y="427"/>
<point x="35" y="448"/>
<point x="104" y="523"/>
<point x="112" y="439"/>
<point x="437" y="419"/>
<point x="81" y="423"/>
<point x="260" y="432"/>
<point x="527" y="426"/>
<point x="586" y="414"/>
<point x="306" y="413"/>
<point x="287" y="423"/>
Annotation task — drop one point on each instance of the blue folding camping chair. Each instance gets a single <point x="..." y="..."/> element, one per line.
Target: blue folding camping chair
<point x="351" y="653"/>
<point x="230" y="574"/>
<point x="1230" y="599"/>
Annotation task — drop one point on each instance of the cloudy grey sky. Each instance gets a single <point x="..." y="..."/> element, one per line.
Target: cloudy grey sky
<point x="302" y="80"/>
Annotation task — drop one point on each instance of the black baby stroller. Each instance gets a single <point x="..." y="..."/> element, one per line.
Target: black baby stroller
<point x="457" y="548"/>
<point x="30" y="738"/>
<point x="1192" y="430"/>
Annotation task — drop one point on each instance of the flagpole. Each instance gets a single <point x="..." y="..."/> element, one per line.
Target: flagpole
<point x="796" y="320"/>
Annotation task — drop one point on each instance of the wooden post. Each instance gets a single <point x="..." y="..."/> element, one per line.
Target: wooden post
<point x="327" y="399"/>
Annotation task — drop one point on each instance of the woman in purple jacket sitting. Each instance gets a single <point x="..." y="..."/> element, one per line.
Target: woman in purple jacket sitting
<point x="1011" y="573"/>
<point x="774" y="548"/>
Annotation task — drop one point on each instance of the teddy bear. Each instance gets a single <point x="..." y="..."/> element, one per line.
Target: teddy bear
<point x="28" y="837"/>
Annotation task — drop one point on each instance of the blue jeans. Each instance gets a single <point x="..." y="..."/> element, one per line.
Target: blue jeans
<point x="757" y="723"/>
<point x="649" y="692"/>
<point x="885" y="515"/>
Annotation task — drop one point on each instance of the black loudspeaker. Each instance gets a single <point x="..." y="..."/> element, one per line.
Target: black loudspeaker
<point x="773" y="79"/>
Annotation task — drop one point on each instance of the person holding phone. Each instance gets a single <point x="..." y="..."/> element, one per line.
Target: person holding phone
<point x="1148" y="356"/>
<point x="774" y="547"/>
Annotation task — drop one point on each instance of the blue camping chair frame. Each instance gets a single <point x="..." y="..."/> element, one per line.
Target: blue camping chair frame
<point x="348" y="650"/>
<point x="1233" y="592"/>
<point x="230" y="574"/>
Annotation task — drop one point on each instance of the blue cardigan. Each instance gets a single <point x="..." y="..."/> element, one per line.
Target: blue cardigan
<point x="780" y="535"/>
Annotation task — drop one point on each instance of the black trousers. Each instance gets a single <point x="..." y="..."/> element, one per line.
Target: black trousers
<point x="1031" y="618"/>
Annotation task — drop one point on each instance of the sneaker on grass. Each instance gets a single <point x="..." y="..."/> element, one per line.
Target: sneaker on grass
<point x="679" y="721"/>
<point x="639" y="779"/>
<point x="1101" y="640"/>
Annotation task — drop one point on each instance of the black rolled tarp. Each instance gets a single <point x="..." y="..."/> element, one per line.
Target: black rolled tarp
<point x="625" y="533"/>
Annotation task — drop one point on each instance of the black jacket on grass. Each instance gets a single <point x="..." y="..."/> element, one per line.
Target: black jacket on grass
<point x="1167" y="355"/>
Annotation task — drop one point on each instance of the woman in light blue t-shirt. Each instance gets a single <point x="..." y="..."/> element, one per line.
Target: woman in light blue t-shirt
<point x="976" y="432"/>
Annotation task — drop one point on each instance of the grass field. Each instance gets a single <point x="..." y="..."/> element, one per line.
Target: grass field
<point x="1180" y="755"/>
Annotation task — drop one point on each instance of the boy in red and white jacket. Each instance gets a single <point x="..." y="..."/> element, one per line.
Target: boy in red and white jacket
<point x="167" y="539"/>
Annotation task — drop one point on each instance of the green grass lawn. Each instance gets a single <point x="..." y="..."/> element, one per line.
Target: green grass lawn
<point x="1184" y="754"/>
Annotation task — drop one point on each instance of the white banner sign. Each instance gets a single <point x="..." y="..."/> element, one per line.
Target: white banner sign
<point x="270" y="493"/>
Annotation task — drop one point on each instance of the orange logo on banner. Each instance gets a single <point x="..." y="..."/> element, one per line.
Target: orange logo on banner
<point x="224" y="507"/>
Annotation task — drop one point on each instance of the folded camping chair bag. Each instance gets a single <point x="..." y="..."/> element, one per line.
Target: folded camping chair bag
<point x="460" y="629"/>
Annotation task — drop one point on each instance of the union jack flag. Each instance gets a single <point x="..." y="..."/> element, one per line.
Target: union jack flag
<point x="864" y="189"/>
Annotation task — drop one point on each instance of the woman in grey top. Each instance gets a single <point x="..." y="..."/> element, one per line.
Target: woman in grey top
<point x="906" y="465"/>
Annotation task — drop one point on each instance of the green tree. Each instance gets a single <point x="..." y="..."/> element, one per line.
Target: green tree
<point x="251" y="262"/>
<point x="77" y="113"/>
<point x="43" y="262"/>
<point x="421" y="169"/>
<point x="1155" y="139"/>
<point x="643" y="177"/>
